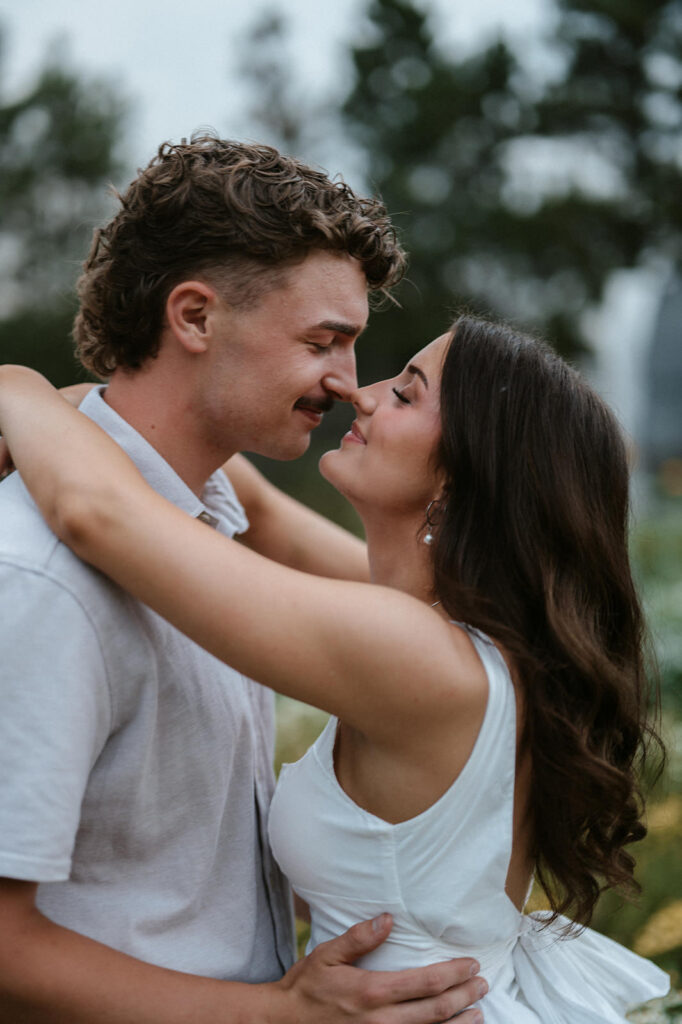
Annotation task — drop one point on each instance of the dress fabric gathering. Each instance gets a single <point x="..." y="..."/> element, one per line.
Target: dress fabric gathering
<point x="442" y="876"/>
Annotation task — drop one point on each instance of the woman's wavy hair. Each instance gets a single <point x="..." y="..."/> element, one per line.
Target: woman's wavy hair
<point x="238" y="216"/>
<point x="531" y="547"/>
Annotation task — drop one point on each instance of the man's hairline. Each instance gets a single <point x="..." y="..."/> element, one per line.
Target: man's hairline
<point x="276" y="275"/>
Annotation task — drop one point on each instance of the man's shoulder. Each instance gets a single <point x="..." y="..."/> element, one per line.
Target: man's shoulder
<point x="28" y="545"/>
<point x="41" y="580"/>
<point x="24" y="534"/>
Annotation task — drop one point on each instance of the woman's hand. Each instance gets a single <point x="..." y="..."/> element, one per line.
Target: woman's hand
<point x="289" y="532"/>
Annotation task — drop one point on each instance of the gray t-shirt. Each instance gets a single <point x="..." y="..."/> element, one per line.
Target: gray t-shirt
<point x="135" y="768"/>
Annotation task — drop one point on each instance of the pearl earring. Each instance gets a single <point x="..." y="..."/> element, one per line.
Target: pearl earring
<point x="428" y="536"/>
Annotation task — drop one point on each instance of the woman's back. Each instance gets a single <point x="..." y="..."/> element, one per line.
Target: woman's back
<point x="442" y="874"/>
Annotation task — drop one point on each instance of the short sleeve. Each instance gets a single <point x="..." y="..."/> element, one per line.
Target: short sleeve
<point x="54" y="720"/>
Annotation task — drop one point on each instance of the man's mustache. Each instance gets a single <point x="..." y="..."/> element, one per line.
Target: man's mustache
<point x="321" y="405"/>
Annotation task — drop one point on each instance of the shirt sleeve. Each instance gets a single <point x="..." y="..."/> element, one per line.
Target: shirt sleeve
<point x="54" y="720"/>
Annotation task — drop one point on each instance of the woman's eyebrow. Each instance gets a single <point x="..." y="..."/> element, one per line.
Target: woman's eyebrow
<point x="420" y="373"/>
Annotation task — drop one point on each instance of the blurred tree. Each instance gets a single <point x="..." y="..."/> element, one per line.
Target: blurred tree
<point x="57" y="155"/>
<point x="276" y="105"/>
<point x="281" y="108"/>
<point x="434" y="132"/>
<point x="519" y="196"/>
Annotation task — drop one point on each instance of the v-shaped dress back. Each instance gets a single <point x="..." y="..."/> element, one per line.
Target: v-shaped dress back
<point x="442" y="876"/>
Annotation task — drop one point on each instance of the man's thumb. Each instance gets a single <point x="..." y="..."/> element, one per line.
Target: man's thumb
<point x="360" y="939"/>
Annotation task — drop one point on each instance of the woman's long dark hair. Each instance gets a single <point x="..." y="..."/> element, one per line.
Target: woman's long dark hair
<point x="531" y="546"/>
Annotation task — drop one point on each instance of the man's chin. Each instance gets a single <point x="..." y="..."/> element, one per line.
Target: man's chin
<point x="284" y="452"/>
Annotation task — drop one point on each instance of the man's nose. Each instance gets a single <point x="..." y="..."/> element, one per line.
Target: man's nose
<point x="364" y="399"/>
<point x="340" y="378"/>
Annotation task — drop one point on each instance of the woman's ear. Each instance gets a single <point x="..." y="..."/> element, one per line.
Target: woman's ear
<point x="188" y="311"/>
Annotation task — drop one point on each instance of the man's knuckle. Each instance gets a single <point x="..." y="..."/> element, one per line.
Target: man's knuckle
<point x="381" y="993"/>
<point x="443" y="1008"/>
<point x="314" y="958"/>
<point x="370" y="995"/>
<point x="433" y="981"/>
<point x="470" y="1017"/>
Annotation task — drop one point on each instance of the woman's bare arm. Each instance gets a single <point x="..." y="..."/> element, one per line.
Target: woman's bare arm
<point x="73" y="393"/>
<point x="287" y="531"/>
<point x="280" y="527"/>
<point x="375" y="657"/>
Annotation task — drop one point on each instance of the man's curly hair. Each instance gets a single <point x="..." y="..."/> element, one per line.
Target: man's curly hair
<point x="233" y="214"/>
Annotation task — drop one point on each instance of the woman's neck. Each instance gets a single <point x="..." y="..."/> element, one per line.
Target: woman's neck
<point x="398" y="559"/>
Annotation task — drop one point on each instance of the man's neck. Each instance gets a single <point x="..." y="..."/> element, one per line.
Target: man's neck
<point x="161" y="413"/>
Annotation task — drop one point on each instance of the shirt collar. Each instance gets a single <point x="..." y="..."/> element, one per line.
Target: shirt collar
<point x="218" y="506"/>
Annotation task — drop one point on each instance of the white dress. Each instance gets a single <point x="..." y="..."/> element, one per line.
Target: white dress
<point x="442" y="876"/>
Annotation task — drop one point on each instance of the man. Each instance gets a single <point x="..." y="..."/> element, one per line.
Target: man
<point x="223" y="301"/>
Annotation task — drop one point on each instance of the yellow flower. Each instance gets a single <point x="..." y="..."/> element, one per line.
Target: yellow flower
<point x="662" y="932"/>
<point x="666" y="815"/>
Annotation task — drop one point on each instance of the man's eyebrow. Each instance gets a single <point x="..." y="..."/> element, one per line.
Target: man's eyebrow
<point x="339" y="327"/>
<point x="420" y="373"/>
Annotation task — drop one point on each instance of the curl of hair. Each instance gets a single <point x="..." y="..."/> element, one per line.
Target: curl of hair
<point x="530" y="546"/>
<point x="236" y="215"/>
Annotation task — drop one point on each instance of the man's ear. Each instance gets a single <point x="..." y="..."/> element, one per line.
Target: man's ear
<point x="189" y="309"/>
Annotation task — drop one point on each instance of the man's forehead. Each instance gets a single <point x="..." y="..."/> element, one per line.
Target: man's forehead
<point x="327" y="291"/>
<point x="334" y="270"/>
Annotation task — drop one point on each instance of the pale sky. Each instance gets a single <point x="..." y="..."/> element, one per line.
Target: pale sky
<point x="178" y="61"/>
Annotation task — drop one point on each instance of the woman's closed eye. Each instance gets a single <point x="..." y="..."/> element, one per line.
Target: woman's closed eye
<point x="400" y="396"/>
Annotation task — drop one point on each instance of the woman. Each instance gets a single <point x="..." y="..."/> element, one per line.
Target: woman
<point x="461" y="759"/>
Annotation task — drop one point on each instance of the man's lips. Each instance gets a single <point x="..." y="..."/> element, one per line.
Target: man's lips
<point x="318" y="405"/>
<point x="314" y="409"/>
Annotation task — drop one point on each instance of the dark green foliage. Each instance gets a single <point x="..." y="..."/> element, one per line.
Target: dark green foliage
<point x="57" y="156"/>
<point x="41" y="338"/>
<point x="620" y="97"/>
<point x="657" y="556"/>
<point x="659" y="871"/>
<point x="432" y="130"/>
<point x="276" y="104"/>
<point x="445" y="138"/>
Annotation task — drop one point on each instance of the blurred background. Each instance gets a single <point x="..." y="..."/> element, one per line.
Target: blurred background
<point x="531" y="157"/>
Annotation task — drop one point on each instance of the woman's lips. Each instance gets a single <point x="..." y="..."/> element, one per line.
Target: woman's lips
<point x="354" y="434"/>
